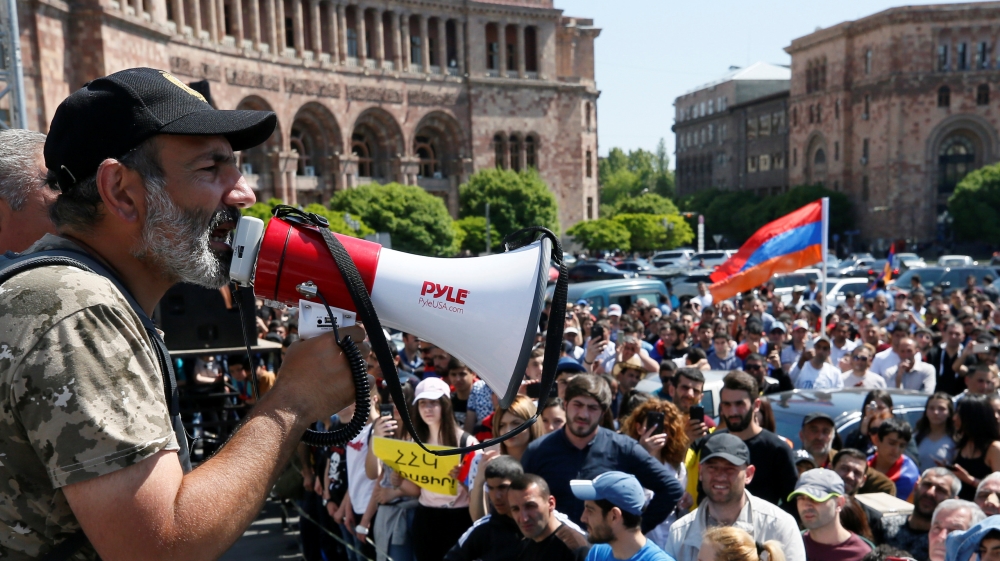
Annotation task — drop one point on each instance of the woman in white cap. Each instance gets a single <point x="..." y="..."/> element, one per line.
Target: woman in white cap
<point x="440" y="520"/>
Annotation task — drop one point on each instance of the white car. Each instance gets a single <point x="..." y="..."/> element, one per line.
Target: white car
<point x="785" y="284"/>
<point x="955" y="261"/>
<point x="712" y="259"/>
<point x="910" y="260"/>
<point x="672" y="258"/>
<point x="836" y="290"/>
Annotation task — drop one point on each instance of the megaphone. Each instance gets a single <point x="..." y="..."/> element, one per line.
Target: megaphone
<point x="482" y="310"/>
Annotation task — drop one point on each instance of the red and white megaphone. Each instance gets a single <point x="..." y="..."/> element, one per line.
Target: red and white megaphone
<point x="483" y="310"/>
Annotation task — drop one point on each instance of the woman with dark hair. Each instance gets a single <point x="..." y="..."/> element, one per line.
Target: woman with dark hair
<point x="877" y="404"/>
<point x="854" y="519"/>
<point x="978" y="443"/>
<point x="666" y="441"/>
<point x="553" y="415"/>
<point x="935" y="431"/>
<point x="440" y="520"/>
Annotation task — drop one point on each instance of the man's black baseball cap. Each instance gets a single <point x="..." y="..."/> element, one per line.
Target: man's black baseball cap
<point x="109" y="116"/>
<point x="815" y="416"/>
<point x="727" y="446"/>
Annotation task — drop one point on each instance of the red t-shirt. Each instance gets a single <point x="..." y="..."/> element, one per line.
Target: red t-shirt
<point x="854" y="549"/>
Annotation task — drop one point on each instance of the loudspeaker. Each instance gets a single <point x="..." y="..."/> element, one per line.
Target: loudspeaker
<point x="483" y="310"/>
<point x="193" y="317"/>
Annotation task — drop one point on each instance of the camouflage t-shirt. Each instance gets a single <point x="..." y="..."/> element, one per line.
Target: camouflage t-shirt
<point x="81" y="396"/>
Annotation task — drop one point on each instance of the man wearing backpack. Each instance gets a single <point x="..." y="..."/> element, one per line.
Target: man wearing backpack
<point x="92" y="465"/>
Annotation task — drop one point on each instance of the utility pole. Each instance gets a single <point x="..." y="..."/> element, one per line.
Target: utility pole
<point x="12" y="71"/>
<point x="488" y="244"/>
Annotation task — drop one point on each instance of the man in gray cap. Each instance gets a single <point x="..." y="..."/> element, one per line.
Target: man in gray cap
<point x="818" y="431"/>
<point x="819" y="497"/>
<point x="94" y="462"/>
<point x="724" y="473"/>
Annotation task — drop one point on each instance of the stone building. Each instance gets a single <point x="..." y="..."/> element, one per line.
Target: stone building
<point x="422" y="92"/>
<point x="894" y="108"/>
<point x="732" y="133"/>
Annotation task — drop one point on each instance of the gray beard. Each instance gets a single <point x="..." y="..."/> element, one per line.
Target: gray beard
<point x="177" y="241"/>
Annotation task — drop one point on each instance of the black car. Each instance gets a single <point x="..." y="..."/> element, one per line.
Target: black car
<point x="843" y="405"/>
<point x="597" y="270"/>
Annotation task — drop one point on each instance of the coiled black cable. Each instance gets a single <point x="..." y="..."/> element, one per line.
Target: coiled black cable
<point x="362" y="392"/>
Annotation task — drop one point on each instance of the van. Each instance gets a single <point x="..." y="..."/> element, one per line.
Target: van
<point x="624" y="292"/>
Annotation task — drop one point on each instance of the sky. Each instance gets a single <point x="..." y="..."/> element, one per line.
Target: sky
<point x="651" y="51"/>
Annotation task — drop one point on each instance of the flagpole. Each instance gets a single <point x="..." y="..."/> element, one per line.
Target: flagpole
<point x="825" y="249"/>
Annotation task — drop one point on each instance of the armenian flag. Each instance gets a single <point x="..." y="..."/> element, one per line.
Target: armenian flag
<point x="889" y="262"/>
<point x="791" y="242"/>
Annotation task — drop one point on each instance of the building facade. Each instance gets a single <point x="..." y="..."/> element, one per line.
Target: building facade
<point x="421" y="92"/>
<point x="725" y="138"/>
<point x="894" y="109"/>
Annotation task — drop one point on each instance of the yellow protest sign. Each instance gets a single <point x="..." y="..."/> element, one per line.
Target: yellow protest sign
<point x="413" y="463"/>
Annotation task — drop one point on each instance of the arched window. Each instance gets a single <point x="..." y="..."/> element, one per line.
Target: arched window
<point x="360" y="148"/>
<point x="515" y="152"/>
<point x="426" y="152"/>
<point x="530" y="149"/>
<point x="983" y="94"/>
<point x="944" y="96"/>
<point x="956" y="158"/>
<point x="500" y="151"/>
<point x="820" y="157"/>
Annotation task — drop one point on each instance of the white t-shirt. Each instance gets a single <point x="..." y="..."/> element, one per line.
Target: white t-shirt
<point x="837" y="353"/>
<point x="870" y="380"/>
<point x="359" y="487"/>
<point x="808" y="377"/>
<point x="705" y="300"/>
<point x="886" y="359"/>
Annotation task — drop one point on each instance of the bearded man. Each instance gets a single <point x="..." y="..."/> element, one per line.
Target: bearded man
<point x="93" y="464"/>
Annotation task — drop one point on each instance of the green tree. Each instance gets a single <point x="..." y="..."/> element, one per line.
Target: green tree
<point x="647" y="203"/>
<point x="517" y="200"/>
<point x="976" y="204"/>
<point x="338" y="223"/>
<point x="652" y="232"/>
<point x="623" y="175"/>
<point x="601" y="234"/>
<point x="264" y="211"/>
<point x="679" y="233"/>
<point x="474" y="234"/>
<point x="417" y="221"/>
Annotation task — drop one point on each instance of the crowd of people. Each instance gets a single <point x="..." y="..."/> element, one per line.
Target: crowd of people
<point x="663" y="477"/>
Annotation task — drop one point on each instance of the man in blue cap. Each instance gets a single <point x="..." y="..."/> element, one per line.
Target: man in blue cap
<point x="612" y="511"/>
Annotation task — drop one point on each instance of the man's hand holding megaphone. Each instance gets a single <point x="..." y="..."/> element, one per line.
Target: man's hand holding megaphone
<point x="315" y="379"/>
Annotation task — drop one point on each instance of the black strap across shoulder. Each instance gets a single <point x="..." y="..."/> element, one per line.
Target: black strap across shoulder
<point x="369" y="318"/>
<point x="12" y="264"/>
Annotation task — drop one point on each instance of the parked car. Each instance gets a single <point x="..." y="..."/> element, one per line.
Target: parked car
<point x="850" y="264"/>
<point x="634" y="265"/>
<point x="910" y="261"/>
<point x="687" y="284"/>
<point x="569" y="259"/>
<point x="843" y="405"/>
<point x="674" y="257"/>
<point x="710" y="397"/>
<point x="597" y="270"/>
<point x="711" y="259"/>
<point x="876" y="268"/>
<point x="948" y="278"/>
<point x="837" y="289"/>
<point x="602" y="294"/>
<point x="955" y="261"/>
